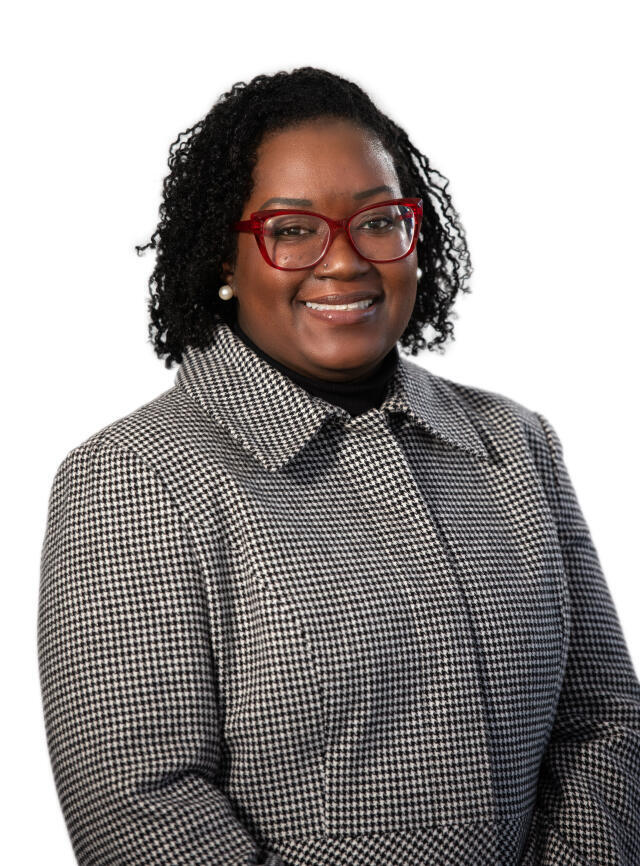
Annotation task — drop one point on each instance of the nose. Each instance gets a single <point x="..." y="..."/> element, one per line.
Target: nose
<point x="341" y="261"/>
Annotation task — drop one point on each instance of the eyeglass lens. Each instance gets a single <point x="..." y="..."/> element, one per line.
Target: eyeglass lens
<point x="379" y="233"/>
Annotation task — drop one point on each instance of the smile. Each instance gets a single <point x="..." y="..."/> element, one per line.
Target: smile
<point x="357" y="305"/>
<point x="344" y="314"/>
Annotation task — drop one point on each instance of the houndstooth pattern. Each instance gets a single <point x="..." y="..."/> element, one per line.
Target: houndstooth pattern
<point x="270" y="632"/>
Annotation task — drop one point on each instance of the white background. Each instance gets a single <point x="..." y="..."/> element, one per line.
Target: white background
<point x="530" y="110"/>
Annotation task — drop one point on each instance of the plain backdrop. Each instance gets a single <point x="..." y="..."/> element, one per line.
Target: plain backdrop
<point x="529" y="109"/>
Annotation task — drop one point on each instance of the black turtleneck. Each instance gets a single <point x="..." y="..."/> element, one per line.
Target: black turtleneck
<point x="355" y="397"/>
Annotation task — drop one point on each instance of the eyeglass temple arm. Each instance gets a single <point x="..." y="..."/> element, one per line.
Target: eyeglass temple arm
<point x="246" y="226"/>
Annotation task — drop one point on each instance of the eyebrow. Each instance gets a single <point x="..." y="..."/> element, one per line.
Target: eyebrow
<point x="292" y="202"/>
<point x="306" y="202"/>
<point x="376" y="189"/>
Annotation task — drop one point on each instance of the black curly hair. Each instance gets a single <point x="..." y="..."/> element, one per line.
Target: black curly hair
<point x="211" y="179"/>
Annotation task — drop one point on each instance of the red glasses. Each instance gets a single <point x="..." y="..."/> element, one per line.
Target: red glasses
<point x="292" y="240"/>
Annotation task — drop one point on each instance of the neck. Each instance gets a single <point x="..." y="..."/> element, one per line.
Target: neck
<point x="356" y="396"/>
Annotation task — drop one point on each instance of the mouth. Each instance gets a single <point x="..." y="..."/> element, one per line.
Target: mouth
<point x="335" y="312"/>
<point x="340" y="305"/>
<point x="343" y="298"/>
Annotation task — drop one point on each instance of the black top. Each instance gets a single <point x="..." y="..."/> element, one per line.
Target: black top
<point x="355" y="397"/>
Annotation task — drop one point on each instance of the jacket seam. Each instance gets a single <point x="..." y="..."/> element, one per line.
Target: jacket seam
<point x="551" y="448"/>
<point x="99" y="445"/>
<point x="567" y="592"/>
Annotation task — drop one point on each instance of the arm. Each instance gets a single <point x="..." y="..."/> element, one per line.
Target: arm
<point x="588" y="799"/>
<point x="126" y="673"/>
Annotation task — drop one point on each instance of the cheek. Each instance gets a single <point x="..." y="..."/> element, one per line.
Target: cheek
<point x="401" y="282"/>
<point x="251" y="270"/>
<point x="248" y="259"/>
<point x="260" y="285"/>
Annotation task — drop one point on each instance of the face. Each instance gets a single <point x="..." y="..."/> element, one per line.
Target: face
<point x="334" y="168"/>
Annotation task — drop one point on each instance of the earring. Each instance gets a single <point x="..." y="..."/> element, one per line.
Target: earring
<point x="225" y="292"/>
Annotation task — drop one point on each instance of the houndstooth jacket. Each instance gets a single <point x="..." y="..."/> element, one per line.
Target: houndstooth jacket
<point x="273" y="633"/>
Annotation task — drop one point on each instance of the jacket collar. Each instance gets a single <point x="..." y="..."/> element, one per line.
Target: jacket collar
<point x="273" y="418"/>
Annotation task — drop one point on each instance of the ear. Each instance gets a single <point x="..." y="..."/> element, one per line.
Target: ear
<point x="228" y="272"/>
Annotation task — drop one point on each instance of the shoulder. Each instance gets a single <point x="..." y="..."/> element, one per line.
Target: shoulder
<point x="512" y="426"/>
<point x="528" y="427"/>
<point x="517" y="433"/>
<point x="164" y="443"/>
<point x="140" y="432"/>
<point x="499" y="412"/>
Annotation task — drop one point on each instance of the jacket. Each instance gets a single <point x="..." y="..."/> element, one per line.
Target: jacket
<point x="272" y="633"/>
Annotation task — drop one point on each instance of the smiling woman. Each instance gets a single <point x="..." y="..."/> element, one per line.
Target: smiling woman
<point x="315" y="605"/>
<point x="331" y="166"/>
<point x="304" y="140"/>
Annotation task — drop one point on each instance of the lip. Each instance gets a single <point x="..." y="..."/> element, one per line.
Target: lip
<point x="344" y="317"/>
<point x="345" y="298"/>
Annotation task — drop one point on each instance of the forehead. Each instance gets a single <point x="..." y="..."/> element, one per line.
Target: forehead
<point x="321" y="158"/>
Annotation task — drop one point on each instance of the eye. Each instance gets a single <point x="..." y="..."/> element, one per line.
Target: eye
<point x="292" y="228"/>
<point x="376" y="223"/>
<point x="291" y="231"/>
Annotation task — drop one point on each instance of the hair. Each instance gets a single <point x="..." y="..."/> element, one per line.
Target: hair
<point x="210" y="179"/>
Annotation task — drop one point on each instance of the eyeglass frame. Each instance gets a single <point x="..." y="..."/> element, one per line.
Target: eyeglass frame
<point x="256" y="221"/>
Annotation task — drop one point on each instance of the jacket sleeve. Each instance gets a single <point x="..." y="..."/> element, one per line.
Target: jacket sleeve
<point x="587" y="809"/>
<point x="126" y="673"/>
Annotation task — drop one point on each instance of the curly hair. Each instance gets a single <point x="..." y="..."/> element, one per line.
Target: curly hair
<point x="210" y="179"/>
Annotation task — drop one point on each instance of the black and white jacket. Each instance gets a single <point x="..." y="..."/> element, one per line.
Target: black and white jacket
<point x="271" y="632"/>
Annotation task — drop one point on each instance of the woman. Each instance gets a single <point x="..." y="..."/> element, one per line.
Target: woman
<point x="315" y="604"/>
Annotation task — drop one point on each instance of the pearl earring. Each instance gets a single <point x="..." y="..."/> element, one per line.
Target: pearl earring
<point x="225" y="292"/>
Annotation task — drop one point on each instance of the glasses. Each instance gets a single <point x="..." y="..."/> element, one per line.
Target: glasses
<point x="292" y="240"/>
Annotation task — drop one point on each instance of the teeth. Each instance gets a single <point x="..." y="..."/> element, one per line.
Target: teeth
<point x="358" y="305"/>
